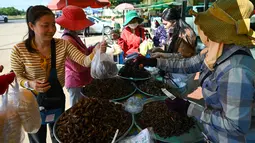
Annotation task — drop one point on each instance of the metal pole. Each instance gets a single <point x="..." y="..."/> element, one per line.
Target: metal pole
<point x="66" y="2"/>
<point x="184" y="6"/>
<point x="206" y="4"/>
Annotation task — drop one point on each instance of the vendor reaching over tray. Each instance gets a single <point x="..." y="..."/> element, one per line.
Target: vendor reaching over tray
<point x="227" y="73"/>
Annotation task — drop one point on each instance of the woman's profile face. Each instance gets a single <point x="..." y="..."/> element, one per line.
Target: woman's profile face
<point x="44" y="28"/>
<point x="168" y="24"/>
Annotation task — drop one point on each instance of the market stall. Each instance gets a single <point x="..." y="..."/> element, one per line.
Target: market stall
<point x="129" y="103"/>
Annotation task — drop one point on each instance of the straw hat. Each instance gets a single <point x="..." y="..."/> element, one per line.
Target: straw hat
<point x="131" y="15"/>
<point x="73" y="18"/>
<point x="227" y="21"/>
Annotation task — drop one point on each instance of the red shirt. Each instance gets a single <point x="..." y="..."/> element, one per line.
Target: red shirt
<point x="130" y="42"/>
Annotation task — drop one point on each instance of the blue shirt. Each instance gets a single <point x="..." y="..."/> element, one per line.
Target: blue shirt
<point x="228" y="115"/>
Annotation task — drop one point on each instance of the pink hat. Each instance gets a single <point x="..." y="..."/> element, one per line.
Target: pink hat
<point x="73" y="18"/>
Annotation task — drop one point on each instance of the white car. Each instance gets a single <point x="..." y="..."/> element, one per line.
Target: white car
<point x="4" y="18"/>
<point x="100" y="25"/>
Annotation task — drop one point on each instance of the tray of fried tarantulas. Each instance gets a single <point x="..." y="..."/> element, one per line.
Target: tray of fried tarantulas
<point x="168" y="126"/>
<point x="131" y="71"/>
<point x="115" y="89"/>
<point x="93" y="120"/>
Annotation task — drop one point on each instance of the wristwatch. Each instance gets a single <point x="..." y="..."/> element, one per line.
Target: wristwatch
<point x="26" y="84"/>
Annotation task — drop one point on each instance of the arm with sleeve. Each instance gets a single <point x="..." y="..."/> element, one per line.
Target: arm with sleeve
<point x="235" y="89"/>
<point x="74" y="54"/>
<point x="186" y="65"/>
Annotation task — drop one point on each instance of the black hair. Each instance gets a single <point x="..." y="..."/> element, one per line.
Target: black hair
<point x="171" y="14"/>
<point x="179" y="27"/>
<point x="33" y="14"/>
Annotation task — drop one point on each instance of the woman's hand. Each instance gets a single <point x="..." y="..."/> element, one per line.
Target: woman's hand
<point x="157" y="55"/>
<point x="115" y="36"/>
<point x="39" y="85"/>
<point x="204" y="51"/>
<point x="102" y="46"/>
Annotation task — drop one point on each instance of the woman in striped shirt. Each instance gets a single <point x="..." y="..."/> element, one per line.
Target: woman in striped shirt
<point x="31" y="61"/>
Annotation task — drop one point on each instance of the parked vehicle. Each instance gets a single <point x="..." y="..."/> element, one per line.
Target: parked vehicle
<point x="100" y="25"/>
<point x="4" y="18"/>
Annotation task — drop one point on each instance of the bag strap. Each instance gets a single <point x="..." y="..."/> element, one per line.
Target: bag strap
<point x="53" y="54"/>
<point x="238" y="52"/>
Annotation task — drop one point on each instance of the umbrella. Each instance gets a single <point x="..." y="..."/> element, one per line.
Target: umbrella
<point x="60" y="4"/>
<point x="124" y="6"/>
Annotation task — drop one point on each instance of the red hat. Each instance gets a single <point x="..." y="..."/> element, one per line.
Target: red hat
<point x="5" y="80"/>
<point x="73" y="18"/>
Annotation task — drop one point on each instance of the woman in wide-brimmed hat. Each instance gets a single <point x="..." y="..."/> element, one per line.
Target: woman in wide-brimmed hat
<point x="132" y="35"/>
<point x="227" y="73"/>
<point x="76" y="76"/>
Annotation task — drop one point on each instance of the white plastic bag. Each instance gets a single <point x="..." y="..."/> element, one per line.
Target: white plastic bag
<point x="10" y="123"/>
<point x="103" y="66"/>
<point x="29" y="112"/>
<point x="145" y="136"/>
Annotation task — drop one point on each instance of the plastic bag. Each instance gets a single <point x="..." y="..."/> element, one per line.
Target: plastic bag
<point x="103" y="66"/>
<point x="145" y="46"/>
<point x="28" y="111"/>
<point x="10" y="123"/>
<point x="134" y="105"/>
<point x="145" y="136"/>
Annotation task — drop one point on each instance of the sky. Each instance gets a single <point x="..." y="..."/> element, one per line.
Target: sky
<point x="22" y="4"/>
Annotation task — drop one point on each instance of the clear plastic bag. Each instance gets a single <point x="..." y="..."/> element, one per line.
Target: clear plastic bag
<point x="134" y="105"/>
<point x="145" y="136"/>
<point x="10" y="124"/>
<point x="103" y="66"/>
<point x="29" y="112"/>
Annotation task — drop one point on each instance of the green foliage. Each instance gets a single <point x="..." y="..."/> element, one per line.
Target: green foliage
<point x="114" y="3"/>
<point x="11" y="11"/>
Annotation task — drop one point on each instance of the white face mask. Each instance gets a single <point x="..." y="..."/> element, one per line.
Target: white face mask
<point x="133" y="25"/>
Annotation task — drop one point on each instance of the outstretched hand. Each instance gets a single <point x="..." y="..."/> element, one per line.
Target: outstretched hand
<point x="101" y="46"/>
<point x="143" y="61"/>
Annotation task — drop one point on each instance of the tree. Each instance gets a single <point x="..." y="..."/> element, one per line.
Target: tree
<point x="11" y="11"/>
<point x="114" y="3"/>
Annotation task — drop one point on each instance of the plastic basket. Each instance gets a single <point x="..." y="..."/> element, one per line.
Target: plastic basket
<point x="194" y="135"/>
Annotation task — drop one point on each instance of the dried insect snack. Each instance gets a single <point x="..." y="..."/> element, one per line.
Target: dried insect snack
<point x="165" y="123"/>
<point x="130" y="70"/>
<point x="92" y="120"/>
<point x="153" y="87"/>
<point x="112" y="88"/>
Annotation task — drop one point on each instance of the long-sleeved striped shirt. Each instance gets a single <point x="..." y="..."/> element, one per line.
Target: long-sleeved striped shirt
<point x="27" y="66"/>
<point x="229" y="94"/>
